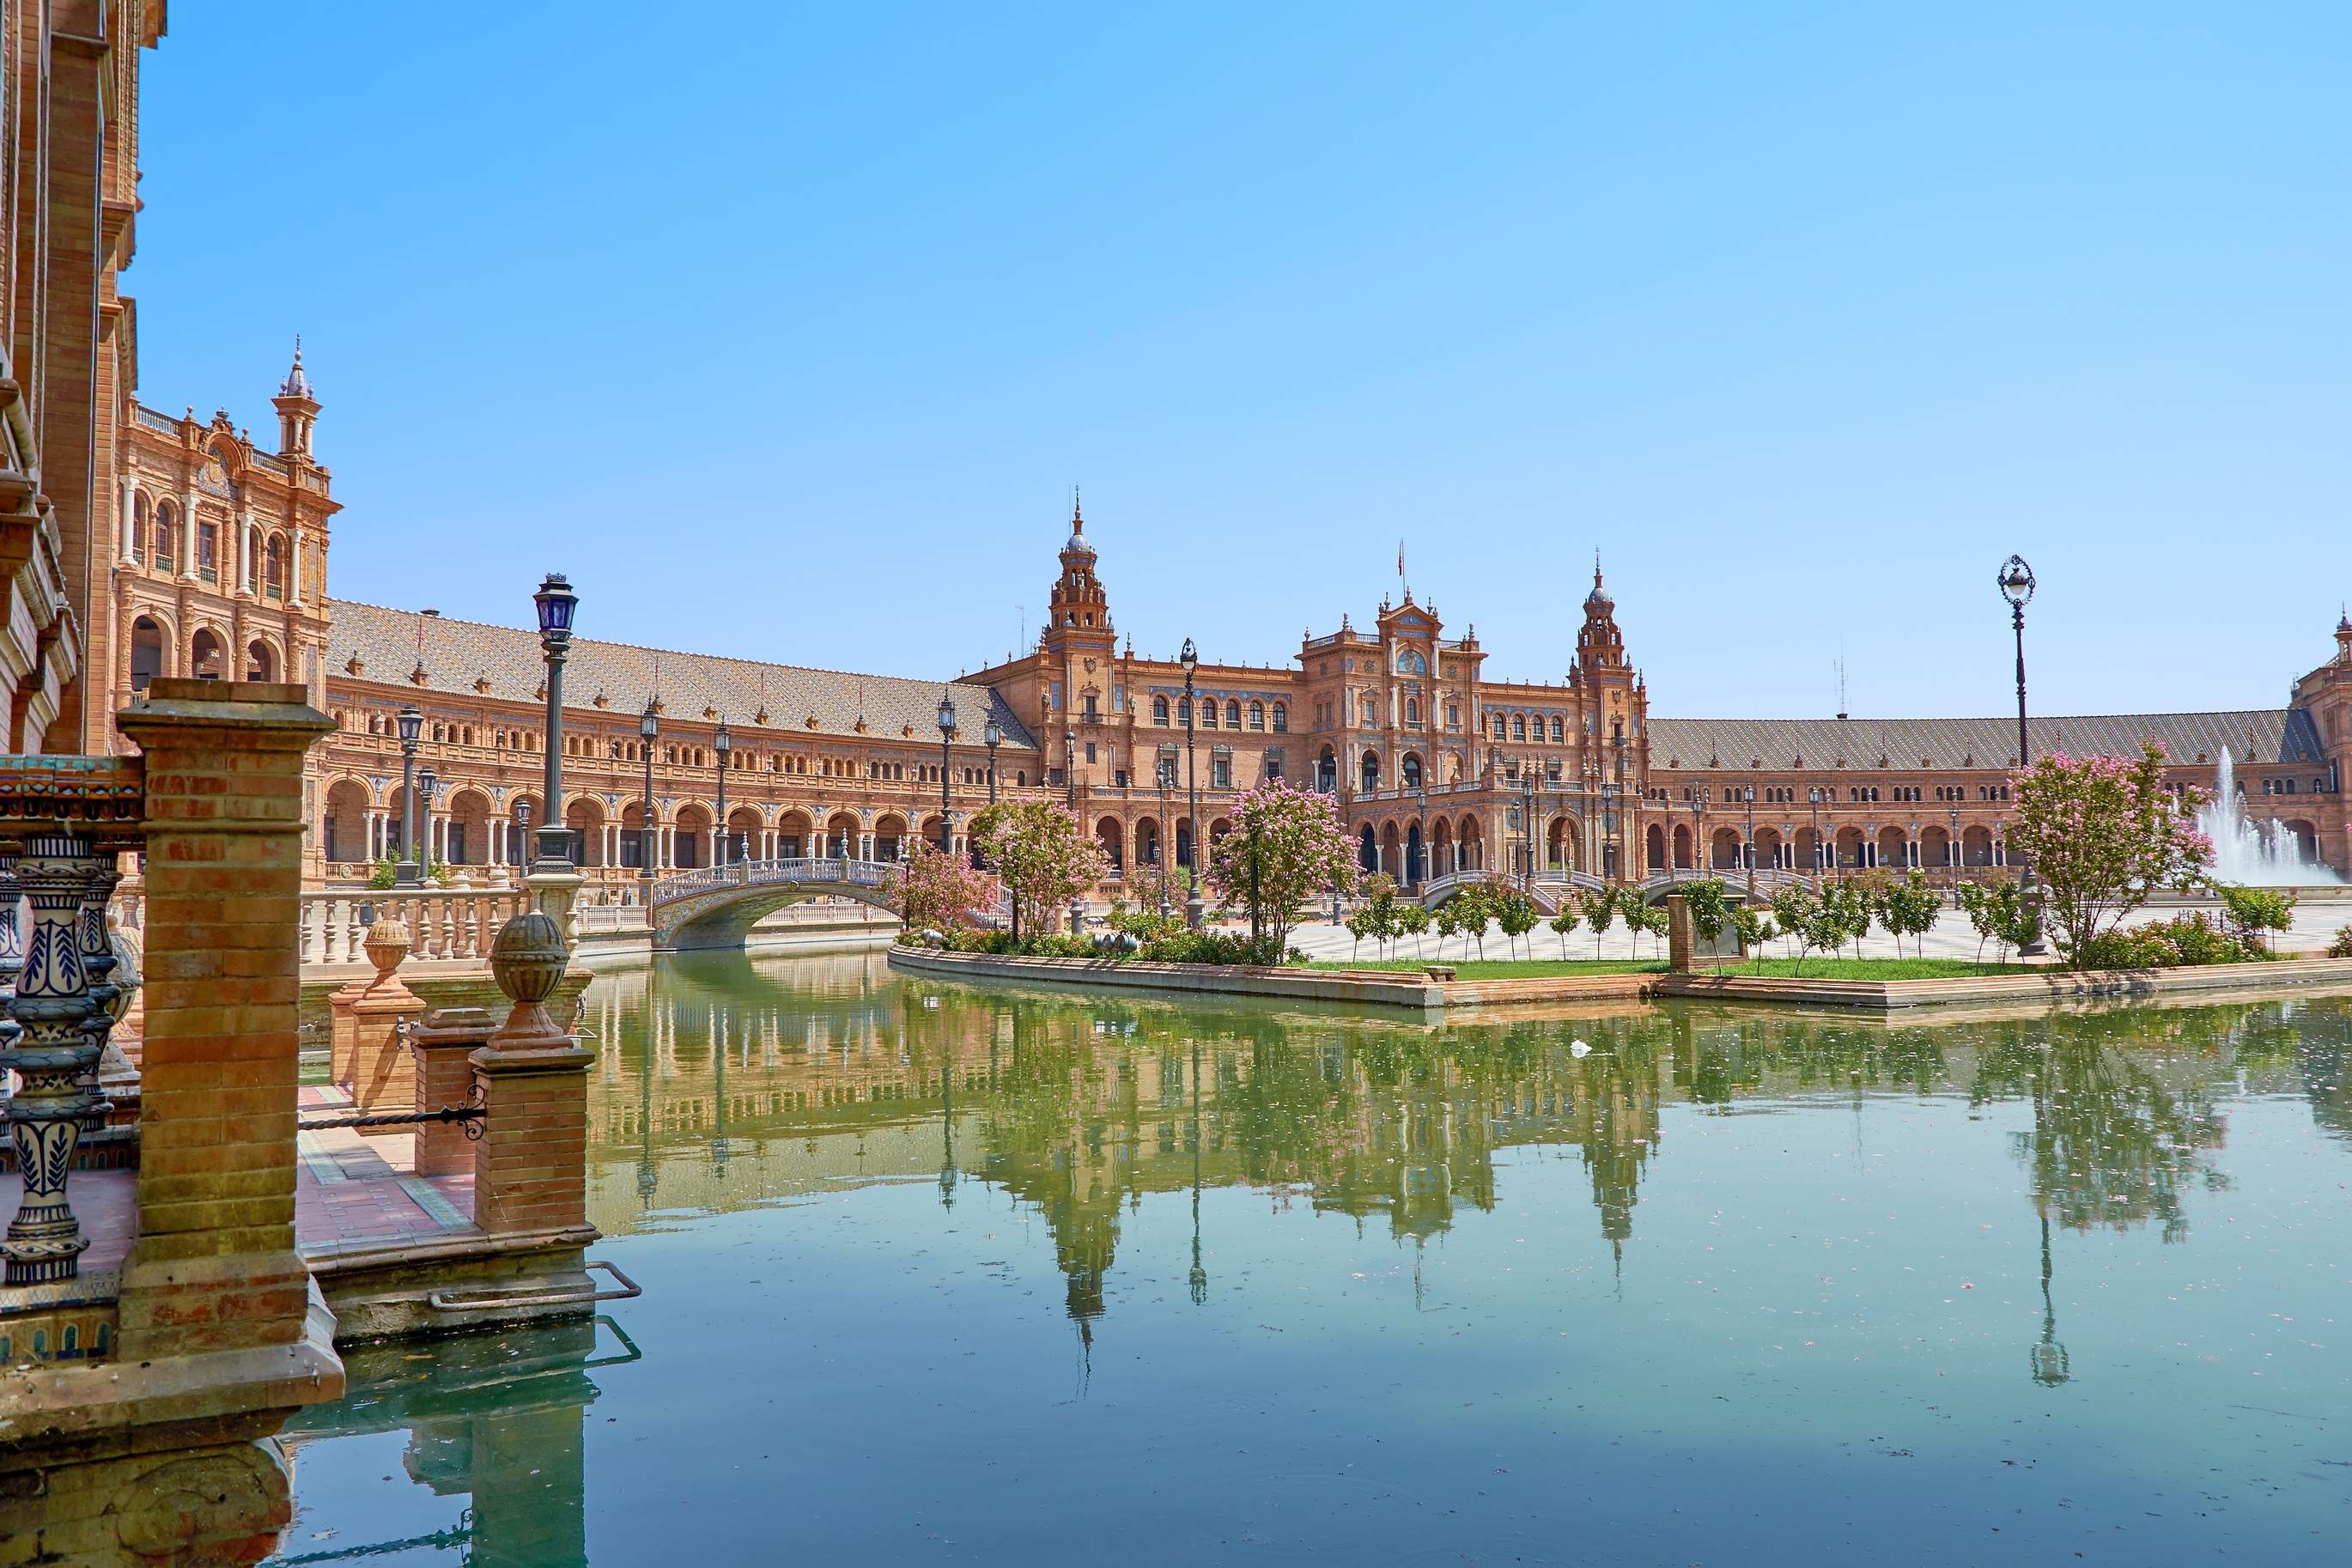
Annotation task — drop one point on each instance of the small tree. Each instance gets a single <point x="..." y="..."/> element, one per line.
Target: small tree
<point x="1516" y="913"/>
<point x="2000" y="915"/>
<point x="2102" y="834"/>
<point x="1447" y="919"/>
<point x="1285" y="851"/>
<point x="1412" y="920"/>
<point x="1847" y="904"/>
<point x="1909" y="907"/>
<point x="933" y="888"/>
<point x="1799" y="913"/>
<point x="1563" y="922"/>
<point x="1477" y="902"/>
<point x="1710" y="911"/>
<point x="1044" y="858"/>
<point x="1756" y="928"/>
<point x="2254" y="912"/>
<point x="1599" y="906"/>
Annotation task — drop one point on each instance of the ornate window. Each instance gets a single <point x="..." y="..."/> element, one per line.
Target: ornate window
<point x="1518" y="726"/>
<point x="139" y="526"/>
<point x="1232" y="714"/>
<point x="1413" y="710"/>
<point x="1558" y="734"/>
<point x="1257" y="715"/>
<point x="273" y="567"/>
<point x="1159" y="710"/>
<point x="167" y="534"/>
<point x="1281" y="719"/>
<point x="1502" y="728"/>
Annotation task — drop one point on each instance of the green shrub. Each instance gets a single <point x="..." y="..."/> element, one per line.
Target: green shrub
<point x="2183" y="942"/>
<point x="1214" y="947"/>
<point x="2342" y="946"/>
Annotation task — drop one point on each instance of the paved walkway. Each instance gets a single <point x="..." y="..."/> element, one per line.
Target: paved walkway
<point x="355" y="1193"/>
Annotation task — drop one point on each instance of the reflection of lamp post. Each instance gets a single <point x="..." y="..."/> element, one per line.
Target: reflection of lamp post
<point x="556" y="602"/>
<point x="947" y="729"/>
<point x="648" y="731"/>
<point x="412" y="724"/>
<point x="2048" y="1355"/>
<point x="1200" y="1275"/>
<point x="1191" y="660"/>
<point x="725" y="745"/>
<point x="2017" y="586"/>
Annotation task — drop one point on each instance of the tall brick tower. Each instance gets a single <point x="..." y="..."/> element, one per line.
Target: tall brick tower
<point x="1078" y="647"/>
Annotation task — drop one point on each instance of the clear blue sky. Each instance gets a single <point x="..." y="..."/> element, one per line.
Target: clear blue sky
<point x="786" y="330"/>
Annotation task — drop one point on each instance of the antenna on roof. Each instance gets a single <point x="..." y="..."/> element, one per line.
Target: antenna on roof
<point x="1841" y="674"/>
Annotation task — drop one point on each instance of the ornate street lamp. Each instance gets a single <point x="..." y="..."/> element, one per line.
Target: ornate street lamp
<point x="1813" y="819"/>
<point x="2016" y="582"/>
<point x="1191" y="660"/>
<point x="947" y="732"/>
<point x="556" y="602"/>
<point x="725" y="743"/>
<point x="648" y="731"/>
<point x="412" y="724"/>
<point x="1164" y="770"/>
<point x="991" y="735"/>
<point x="1952" y="855"/>
<point x="1070" y="767"/>
<point x="523" y="825"/>
<point x="1527" y="823"/>
<point x="427" y="785"/>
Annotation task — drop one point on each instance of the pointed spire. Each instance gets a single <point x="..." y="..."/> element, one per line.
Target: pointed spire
<point x="297" y="383"/>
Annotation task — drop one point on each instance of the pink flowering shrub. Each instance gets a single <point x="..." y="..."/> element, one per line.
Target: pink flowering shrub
<point x="2103" y="834"/>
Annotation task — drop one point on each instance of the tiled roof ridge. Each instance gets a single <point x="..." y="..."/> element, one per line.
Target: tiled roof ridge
<point x="1984" y="719"/>
<point x="665" y="652"/>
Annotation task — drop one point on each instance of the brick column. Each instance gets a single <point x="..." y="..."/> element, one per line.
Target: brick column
<point x="531" y="1168"/>
<point x="1681" y="940"/>
<point x="365" y="1051"/>
<point x="214" y="1267"/>
<point x="443" y="1044"/>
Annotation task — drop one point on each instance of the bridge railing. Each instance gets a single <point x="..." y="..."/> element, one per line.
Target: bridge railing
<point x="767" y="873"/>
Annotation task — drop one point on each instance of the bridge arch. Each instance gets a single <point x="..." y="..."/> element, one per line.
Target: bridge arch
<point x="718" y="906"/>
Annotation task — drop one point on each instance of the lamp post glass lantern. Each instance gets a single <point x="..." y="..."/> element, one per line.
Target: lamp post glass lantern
<point x="1191" y="660"/>
<point x="648" y="731"/>
<point x="2016" y="580"/>
<point x="555" y="602"/>
<point x="724" y="744"/>
<point x="411" y="725"/>
<point x="991" y="735"/>
<point x="947" y="733"/>
<point x="428" y="784"/>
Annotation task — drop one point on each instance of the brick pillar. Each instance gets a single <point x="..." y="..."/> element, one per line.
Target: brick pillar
<point x="443" y="1044"/>
<point x="531" y="1168"/>
<point x="1681" y="940"/>
<point x="214" y="1267"/>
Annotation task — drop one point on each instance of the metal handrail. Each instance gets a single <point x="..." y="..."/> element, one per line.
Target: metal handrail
<point x="441" y="1301"/>
<point x="760" y="873"/>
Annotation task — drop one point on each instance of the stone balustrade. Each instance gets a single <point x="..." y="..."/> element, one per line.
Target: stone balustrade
<point x="443" y="923"/>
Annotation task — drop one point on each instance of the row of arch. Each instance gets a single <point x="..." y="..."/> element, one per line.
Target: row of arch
<point x="204" y="656"/>
<point x="159" y="538"/>
<point x="1850" y="849"/>
<point x="1260" y="715"/>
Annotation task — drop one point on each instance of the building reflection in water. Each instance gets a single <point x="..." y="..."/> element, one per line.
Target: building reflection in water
<point x="730" y="1082"/>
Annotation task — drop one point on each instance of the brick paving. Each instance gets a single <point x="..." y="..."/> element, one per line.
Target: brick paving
<point x="355" y="1193"/>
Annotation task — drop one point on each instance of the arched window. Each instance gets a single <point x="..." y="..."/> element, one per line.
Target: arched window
<point x="1556" y="733"/>
<point x="1412" y="771"/>
<point x="1413" y="710"/>
<point x="260" y="662"/>
<point x="1232" y="714"/>
<point x="139" y="519"/>
<point x="207" y="549"/>
<point x="146" y="652"/>
<point x="167" y="534"/>
<point x="273" y="567"/>
<point x="1371" y="772"/>
<point x="1502" y="728"/>
<point x="1371" y="709"/>
<point x="1282" y="719"/>
<point x="1257" y="715"/>
<point x="1518" y="726"/>
<point x="1159" y="710"/>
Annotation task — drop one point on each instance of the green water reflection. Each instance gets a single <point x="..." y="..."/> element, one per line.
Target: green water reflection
<point x="785" y="1113"/>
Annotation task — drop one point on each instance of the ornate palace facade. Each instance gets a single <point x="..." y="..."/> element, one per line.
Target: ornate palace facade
<point x="1435" y="767"/>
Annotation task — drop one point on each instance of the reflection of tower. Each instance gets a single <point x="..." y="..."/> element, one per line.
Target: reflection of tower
<point x="2049" y="1356"/>
<point x="716" y="1033"/>
<point x="947" y="1124"/>
<point x="648" y="1171"/>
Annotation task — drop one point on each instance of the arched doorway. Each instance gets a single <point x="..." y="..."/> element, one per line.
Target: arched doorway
<point x="891" y="834"/>
<point x="795" y="836"/>
<point x="1723" y="850"/>
<point x="743" y="829"/>
<point x="204" y="656"/>
<point x="1147" y="842"/>
<point x="841" y="837"/>
<point x="1113" y="842"/>
<point x="261" y="664"/>
<point x="1326" y="771"/>
<point x="1371" y="772"/>
<point x="1473" y="845"/>
<point x="689" y="837"/>
<point x="466" y="833"/>
<point x="1441" y="848"/>
<point x="1416" y="857"/>
<point x="146" y="652"/>
<point x="585" y="819"/>
<point x="1976" y="847"/>
<point x="1894" y="847"/>
<point x="1367" y="849"/>
<point x="1849" y="848"/>
<point x="1656" y="845"/>
<point x="344" y="830"/>
<point x="1682" y="847"/>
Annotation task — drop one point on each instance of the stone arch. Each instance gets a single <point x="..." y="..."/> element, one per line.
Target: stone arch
<point x="1771" y="849"/>
<point x="468" y="827"/>
<point x="586" y="817"/>
<point x="207" y="655"/>
<point x="795" y="833"/>
<point x="1393" y="850"/>
<point x="1147" y="841"/>
<point x="744" y="826"/>
<point x="1723" y="850"/>
<point x="262" y="661"/>
<point x="149" y="637"/>
<point x="273" y="567"/>
<point x="1975" y="846"/>
<point x="1367" y="849"/>
<point x="1891" y="844"/>
<point x="1473" y="842"/>
<point x="1110" y="836"/>
<point x="1682" y="847"/>
<point x="689" y="838"/>
<point x="1410" y="774"/>
<point x="840" y="834"/>
<point x="1936" y="847"/>
<point x="344" y="826"/>
<point x="1848" y="846"/>
<point x="2306" y="838"/>
<point x="1655" y="845"/>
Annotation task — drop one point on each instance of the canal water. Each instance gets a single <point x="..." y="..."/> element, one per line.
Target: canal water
<point x="939" y="1274"/>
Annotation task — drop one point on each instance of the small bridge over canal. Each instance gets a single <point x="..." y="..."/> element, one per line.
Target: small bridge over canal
<point x="718" y="906"/>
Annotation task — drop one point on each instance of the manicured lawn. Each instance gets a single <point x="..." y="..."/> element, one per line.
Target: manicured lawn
<point x="1812" y="968"/>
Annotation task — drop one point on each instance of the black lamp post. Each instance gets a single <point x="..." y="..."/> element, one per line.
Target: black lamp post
<point x="1952" y="856"/>
<point x="412" y="724"/>
<point x="648" y="731"/>
<point x="2016" y="581"/>
<point x="991" y="735"/>
<point x="1527" y="821"/>
<point x="725" y="743"/>
<point x="556" y="601"/>
<point x="1191" y="660"/>
<point x="1813" y="820"/>
<point x="522" y="826"/>
<point x="1163" y="770"/>
<point x="947" y="732"/>
<point x="427" y="785"/>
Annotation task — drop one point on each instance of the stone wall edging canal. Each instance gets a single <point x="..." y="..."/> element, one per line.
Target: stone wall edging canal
<point x="1395" y="989"/>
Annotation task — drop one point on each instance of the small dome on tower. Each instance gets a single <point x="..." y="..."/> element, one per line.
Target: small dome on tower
<point x="1077" y="544"/>
<point x="297" y="383"/>
<point x="1599" y="598"/>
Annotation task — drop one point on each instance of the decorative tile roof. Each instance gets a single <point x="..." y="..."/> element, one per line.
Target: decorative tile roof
<point x="470" y="660"/>
<point x="2256" y="737"/>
